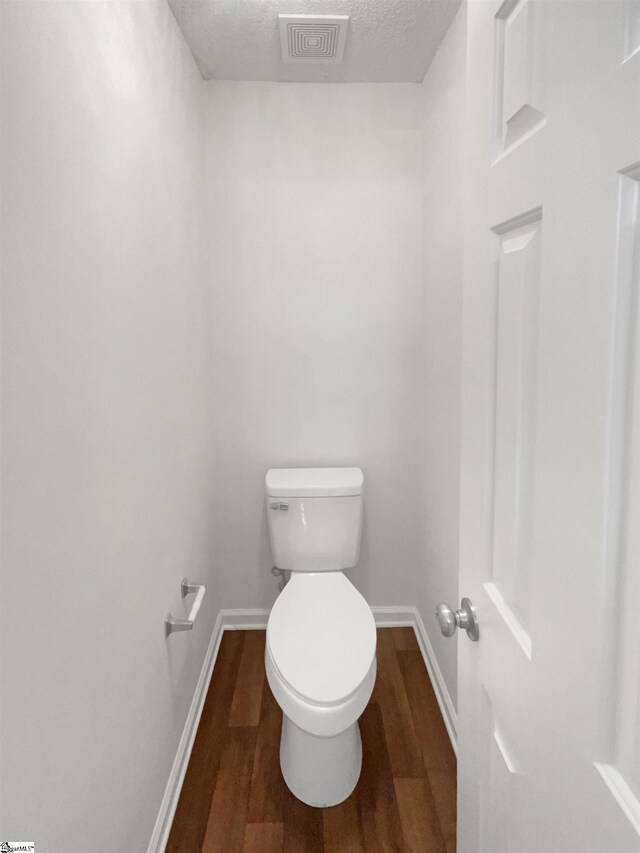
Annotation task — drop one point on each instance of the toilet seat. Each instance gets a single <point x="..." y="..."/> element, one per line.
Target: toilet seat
<point x="322" y="637"/>
<point x="320" y="652"/>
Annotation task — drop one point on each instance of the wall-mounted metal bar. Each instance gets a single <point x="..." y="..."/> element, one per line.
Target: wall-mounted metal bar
<point x="171" y="624"/>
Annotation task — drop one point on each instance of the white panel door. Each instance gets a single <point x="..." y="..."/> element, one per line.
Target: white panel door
<point x="549" y="705"/>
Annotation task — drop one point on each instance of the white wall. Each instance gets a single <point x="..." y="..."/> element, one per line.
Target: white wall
<point x="334" y="244"/>
<point x="106" y="434"/>
<point x="443" y="93"/>
<point x="315" y="270"/>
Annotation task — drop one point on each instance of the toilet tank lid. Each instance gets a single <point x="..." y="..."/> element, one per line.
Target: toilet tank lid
<point x="313" y="482"/>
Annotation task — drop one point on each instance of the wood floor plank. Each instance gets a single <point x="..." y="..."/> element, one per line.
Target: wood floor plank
<point x="190" y="821"/>
<point x="437" y="752"/>
<point x="342" y="829"/>
<point x="443" y="787"/>
<point x="268" y="789"/>
<point x="263" y="838"/>
<point x="303" y="827"/>
<point x="375" y="794"/>
<point x="399" y="729"/>
<point x="228" y="813"/>
<point x="247" y="696"/>
<point x="420" y="825"/>
<point x="375" y="695"/>
<point x="404" y="639"/>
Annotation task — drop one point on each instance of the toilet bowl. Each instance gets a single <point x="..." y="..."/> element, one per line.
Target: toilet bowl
<point x="320" y="654"/>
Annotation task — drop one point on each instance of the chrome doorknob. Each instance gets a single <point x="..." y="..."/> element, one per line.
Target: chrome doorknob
<point x="465" y="618"/>
<point x="447" y="619"/>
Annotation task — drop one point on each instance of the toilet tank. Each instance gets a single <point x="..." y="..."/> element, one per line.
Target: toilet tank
<point x="315" y="517"/>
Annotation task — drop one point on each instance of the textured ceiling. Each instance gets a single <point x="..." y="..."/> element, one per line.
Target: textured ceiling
<point x="388" y="40"/>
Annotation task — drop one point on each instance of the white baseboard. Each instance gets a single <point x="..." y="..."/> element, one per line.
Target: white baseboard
<point x="393" y="617"/>
<point x="162" y="828"/>
<point x="245" y="619"/>
<point x="256" y="619"/>
<point x="447" y="709"/>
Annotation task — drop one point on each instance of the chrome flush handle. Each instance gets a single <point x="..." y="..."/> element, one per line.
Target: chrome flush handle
<point x="280" y="507"/>
<point x="465" y="618"/>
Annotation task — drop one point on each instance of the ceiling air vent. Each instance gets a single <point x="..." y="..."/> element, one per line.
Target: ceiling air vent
<point x="313" y="39"/>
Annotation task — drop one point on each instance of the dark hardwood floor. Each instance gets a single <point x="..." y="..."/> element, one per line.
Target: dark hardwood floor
<point x="234" y="797"/>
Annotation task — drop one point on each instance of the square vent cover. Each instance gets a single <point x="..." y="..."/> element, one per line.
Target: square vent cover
<point x="313" y="39"/>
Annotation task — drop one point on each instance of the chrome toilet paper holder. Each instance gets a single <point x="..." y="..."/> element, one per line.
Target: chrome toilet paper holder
<point x="170" y="624"/>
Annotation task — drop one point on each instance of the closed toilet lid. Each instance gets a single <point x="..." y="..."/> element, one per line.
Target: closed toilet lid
<point x="321" y="636"/>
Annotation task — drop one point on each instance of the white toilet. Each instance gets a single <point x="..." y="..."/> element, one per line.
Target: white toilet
<point x="321" y="636"/>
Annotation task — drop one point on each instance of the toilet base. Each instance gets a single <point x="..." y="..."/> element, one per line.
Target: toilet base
<point x="320" y="771"/>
